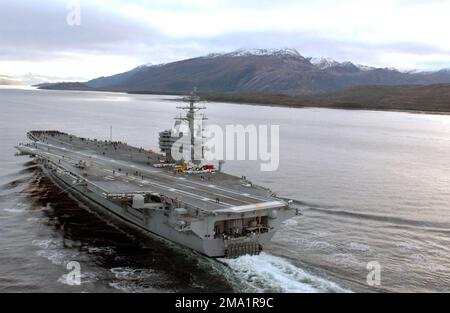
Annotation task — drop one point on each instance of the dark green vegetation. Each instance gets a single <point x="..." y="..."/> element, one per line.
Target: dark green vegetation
<point x="426" y="98"/>
<point x="65" y="86"/>
<point x="430" y="98"/>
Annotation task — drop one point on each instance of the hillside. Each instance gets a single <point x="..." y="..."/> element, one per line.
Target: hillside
<point x="256" y="71"/>
<point x="430" y="98"/>
<point x="65" y="86"/>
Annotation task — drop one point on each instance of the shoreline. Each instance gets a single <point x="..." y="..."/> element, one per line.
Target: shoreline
<point x="224" y="99"/>
<point x="332" y="107"/>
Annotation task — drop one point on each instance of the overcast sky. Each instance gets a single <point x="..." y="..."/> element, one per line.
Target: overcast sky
<point x="117" y="35"/>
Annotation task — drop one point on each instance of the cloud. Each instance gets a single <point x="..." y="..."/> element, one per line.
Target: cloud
<point x="32" y="27"/>
<point x="36" y="36"/>
<point x="116" y="35"/>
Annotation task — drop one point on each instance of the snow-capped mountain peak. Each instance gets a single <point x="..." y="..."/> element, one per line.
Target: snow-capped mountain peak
<point x="145" y="65"/>
<point x="329" y="63"/>
<point x="324" y="63"/>
<point x="365" y="67"/>
<point x="259" y="52"/>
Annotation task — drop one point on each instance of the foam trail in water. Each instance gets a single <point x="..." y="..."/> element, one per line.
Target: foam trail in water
<point x="14" y="210"/>
<point x="268" y="273"/>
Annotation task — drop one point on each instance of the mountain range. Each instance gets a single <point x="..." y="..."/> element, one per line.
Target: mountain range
<point x="267" y="71"/>
<point x="5" y="80"/>
<point x="31" y="79"/>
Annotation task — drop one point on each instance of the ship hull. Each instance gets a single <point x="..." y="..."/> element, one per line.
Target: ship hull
<point x="155" y="225"/>
<point x="215" y="214"/>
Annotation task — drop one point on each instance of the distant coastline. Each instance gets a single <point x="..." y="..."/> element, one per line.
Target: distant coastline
<point x="419" y="99"/>
<point x="335" y="107"/>
<point x="282" y="77"/>
<point x="430" y="99"/>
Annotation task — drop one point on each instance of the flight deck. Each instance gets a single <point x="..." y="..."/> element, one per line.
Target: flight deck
<point x="118" y="168"/>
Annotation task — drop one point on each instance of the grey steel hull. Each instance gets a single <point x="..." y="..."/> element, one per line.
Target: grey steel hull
<point x="154" y="225"/>
<point x="215" y="214"/>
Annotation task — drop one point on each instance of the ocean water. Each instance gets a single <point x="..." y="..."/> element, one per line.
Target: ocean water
<point x="373" y="187"/>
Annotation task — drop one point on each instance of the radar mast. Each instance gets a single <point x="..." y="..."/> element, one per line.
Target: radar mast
<point x="196" y="142"/>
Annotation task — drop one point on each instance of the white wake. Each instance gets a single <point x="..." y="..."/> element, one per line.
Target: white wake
<point x="268" y="273"/>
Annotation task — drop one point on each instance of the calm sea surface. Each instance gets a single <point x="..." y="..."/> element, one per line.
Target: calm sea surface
<point x="374" y="186"/>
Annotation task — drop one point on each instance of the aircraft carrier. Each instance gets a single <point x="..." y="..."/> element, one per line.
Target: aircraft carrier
<point x="192" y="204"/>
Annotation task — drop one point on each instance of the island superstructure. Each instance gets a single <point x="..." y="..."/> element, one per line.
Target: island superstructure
<point x="192" y="204"/>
